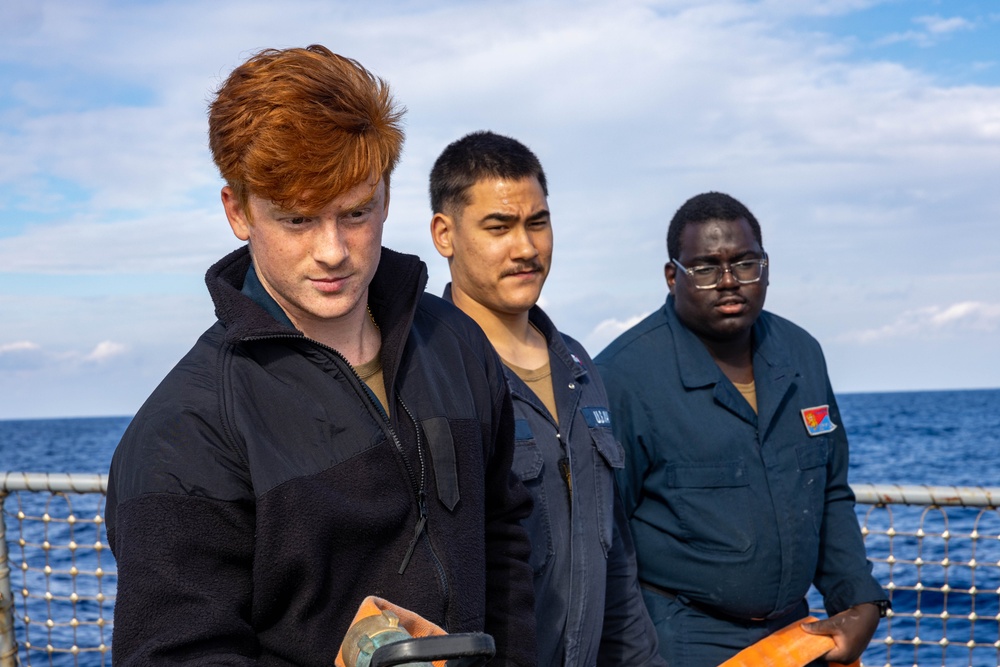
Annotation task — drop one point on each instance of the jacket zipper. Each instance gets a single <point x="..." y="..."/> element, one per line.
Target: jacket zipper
<point x="565" y="467"/>
<point x="421" y="493"/>
<point x="417" y="485"/>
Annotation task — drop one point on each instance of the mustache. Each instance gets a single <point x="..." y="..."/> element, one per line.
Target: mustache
<point x="522" y="267"/>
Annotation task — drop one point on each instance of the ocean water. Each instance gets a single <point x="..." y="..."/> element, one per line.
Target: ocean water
<point x="925" y="437"/>
<point x="932" y="437"/>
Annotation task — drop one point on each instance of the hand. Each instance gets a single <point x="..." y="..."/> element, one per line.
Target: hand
<point x="851" y="630"/>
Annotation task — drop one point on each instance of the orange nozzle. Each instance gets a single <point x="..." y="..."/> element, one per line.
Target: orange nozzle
<point x="414" y="624"/>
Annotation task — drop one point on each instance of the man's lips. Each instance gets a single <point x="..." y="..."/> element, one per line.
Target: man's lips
<point x="328" y="284"/>
<point x="524" y="271"/>
<point x="521" y="274"/>
<point x="731" y="305"/>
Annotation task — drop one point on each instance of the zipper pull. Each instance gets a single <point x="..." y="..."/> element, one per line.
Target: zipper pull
<point x="416" y="534"/>
<point x="567" y="475"/>
<point x="564" y="468"/>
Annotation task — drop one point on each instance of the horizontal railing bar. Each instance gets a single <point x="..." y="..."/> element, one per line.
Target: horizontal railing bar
<point x="868" y="494"/>
<point x="53" y="481"/>
<point x="901" y="494"/>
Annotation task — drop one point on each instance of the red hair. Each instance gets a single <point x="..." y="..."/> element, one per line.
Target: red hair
<point x="301" y="126"/>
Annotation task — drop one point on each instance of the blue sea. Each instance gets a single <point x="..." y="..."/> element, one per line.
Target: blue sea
<point x="926" y="437"/>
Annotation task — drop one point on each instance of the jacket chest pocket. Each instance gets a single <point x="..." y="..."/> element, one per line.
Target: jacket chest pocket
<point x="608" y="457"/>
<point x="711" y="502"/>
<point x="528" y="466"/>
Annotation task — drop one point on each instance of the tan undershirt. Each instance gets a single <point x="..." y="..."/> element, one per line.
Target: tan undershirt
<point x="749" y="391"/>
<point x="539" y="381"/>
<point x="371" y="373"/>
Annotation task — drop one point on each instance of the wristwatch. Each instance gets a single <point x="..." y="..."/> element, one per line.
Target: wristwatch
<point x="883" y="607"/>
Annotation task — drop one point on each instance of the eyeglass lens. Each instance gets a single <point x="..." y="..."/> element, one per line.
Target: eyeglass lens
<point x="748" y="271"/>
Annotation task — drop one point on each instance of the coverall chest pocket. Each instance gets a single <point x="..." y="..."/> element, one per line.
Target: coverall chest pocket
<point x="608" y="457"/>
<point x="528" y="466"/>
<point x="712" y="505"/>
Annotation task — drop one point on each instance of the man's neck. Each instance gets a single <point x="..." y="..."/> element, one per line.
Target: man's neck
<point x="511" y="335"/>
<point x="353" y="334"/>
<point x="734" y="357"/>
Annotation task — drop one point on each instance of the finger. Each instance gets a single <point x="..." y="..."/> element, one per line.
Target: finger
<point x="823" y="627"/>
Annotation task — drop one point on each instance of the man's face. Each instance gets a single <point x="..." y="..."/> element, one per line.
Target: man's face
<point x="499" y="246"/>
<point x="317" y="267"/>
<point x="727" y="311"/>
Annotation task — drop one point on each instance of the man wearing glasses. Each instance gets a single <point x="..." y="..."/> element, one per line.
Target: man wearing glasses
<point x="735" y="481"/>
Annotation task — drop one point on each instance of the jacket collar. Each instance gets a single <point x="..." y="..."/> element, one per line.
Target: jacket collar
<point x="772" y="368"/>
<point x="242" y="316"/>
<point x="553" y="339"/>
<point x="253" y="288"/>
<point x="556" y="344"/>
<point x="392" y="296"/>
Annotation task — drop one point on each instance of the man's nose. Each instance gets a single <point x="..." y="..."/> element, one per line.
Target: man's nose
<point x="728" y="279"/>
<point x="523" y="244"/>
<point x="329" y="246"/>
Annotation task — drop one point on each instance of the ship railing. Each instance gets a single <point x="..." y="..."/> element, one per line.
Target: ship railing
<point x="936" y="549"/>
<point x="57" y="575"/>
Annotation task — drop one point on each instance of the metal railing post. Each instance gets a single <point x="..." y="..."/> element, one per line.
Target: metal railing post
<point x="8" y="646"/>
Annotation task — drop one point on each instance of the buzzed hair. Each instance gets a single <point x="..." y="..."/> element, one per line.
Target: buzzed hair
<point x="705" y="207"/>
<point x="476" y="157"/>
<point x="299" y="127"/>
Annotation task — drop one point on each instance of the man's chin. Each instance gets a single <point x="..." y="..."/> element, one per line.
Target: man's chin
<point x="516" y="306"/>
<point x="726" y="329"/>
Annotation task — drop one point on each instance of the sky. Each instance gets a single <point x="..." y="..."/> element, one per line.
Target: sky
<point x="863" y="134"/>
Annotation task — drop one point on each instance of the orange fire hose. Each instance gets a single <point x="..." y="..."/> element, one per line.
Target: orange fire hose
<point x="790" y="646"/>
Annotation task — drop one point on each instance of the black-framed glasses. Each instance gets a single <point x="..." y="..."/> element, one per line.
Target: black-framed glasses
<point x="708" y="276"/>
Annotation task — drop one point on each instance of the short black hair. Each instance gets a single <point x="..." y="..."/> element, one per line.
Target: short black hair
<point x="702" y="208"/>
<point x="475" y="157"/>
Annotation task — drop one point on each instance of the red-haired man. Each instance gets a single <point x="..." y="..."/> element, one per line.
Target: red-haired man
<point x="337" y="433"/>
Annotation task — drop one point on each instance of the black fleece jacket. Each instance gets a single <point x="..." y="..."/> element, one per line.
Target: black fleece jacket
<point x="259" y="494"/>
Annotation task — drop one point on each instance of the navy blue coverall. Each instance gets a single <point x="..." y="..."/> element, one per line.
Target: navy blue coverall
<point x="734" y="513"/>
<point x="588" y="604"/>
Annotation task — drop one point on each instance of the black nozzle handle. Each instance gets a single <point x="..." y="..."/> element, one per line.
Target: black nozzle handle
<point x="467" y="649"/>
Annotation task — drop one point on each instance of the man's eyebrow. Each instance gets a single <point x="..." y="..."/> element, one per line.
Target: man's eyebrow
<point x="510" y="217"/>
<point x="714" y="259"/>
<point x="362" y="202"/>
<point x="499" y="217"/>
<point x="276" y="210"/>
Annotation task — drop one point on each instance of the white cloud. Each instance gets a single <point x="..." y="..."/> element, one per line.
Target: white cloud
<point x="21" y="356"/>
<point x="935" y="28"/>
<point x="939" y="25"/>
<point x="104" y="351"/>
<point x="156" y="242"/>
<point x="934" y="321"/>
<point x="609" y="329"/>
<point x="18" y="346"/>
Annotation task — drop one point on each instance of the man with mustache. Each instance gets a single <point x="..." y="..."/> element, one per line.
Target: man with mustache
<point x="492" y="222"/>
<point x="735" y="481"/>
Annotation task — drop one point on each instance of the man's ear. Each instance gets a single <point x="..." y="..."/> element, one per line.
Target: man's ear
<point x="235" y="213"/>
<point x="670" y="273"/>
<point x="442" y="233"/>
